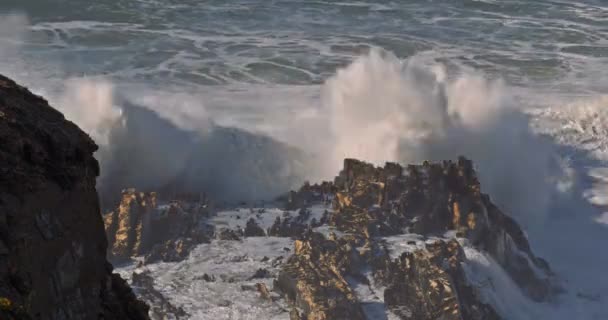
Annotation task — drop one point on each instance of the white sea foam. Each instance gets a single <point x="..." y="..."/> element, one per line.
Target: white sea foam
<point x="385" y="109"/>
<point x="499" y="290"/>
<point x="232" y="264"/>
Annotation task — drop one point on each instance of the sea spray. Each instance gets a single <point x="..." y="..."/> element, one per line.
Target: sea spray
<point x="382" y="109"/>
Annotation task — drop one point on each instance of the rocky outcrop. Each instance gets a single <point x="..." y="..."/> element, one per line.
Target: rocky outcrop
<point x="314" y="279"/>
<point x="252" y="229"/>
<point x="443" y="206"/>
<point x="139" y="226"/>
<point x="52" y="244"/>
<point x="125" y="225"/>
<point x="308" y="194"/>
<point x="433" y="199"/>
<point x="430" y="284"/>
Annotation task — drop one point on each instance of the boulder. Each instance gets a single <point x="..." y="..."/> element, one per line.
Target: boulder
<point x="252" y="229"/>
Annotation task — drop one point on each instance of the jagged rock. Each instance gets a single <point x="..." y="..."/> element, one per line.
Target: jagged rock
<point x="308" y="194"/>
<point x="430" y="200"/>
<point x="314" y="279"/>
<point x="252" y="229"/>
<point x="53" y="263"/>
<point x="430" y="284"/>
<point x="117" y="295"/>
<point x="295" y="227"/>
<point x="171" y="250"/>
<point x="140" y="226"/>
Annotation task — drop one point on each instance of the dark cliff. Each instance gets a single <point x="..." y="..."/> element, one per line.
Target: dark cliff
<point x="52" y="242"/>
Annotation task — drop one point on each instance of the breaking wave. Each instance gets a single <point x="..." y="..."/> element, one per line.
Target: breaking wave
<point x="385" y="109"/>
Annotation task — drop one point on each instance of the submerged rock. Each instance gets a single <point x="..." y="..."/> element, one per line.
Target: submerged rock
<point x="252" y="229"/>
<point x="53" y="247"/>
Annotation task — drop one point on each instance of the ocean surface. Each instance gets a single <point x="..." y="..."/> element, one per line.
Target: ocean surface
<point x="519" y="86"/>
<point x="275" y="54"/>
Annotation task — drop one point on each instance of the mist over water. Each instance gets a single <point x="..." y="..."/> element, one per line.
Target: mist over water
<point x="377" y="108"/>
<point x="386" y="109"/>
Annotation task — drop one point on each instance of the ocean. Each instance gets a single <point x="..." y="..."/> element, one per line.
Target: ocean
<point x="521" y="87"/>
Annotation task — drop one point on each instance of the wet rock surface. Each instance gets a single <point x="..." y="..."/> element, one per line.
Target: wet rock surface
<point x="431" y="200"/>
<point x="376" y="243"/>
<point x="141" y="226"/>
<point x="442" y="204"/>
<point x="431" y="284"/>
<point x="314" y="279"/>
<point x="52" y="245"/>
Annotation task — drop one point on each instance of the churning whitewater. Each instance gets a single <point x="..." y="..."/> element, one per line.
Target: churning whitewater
<point x="245" y="100"/>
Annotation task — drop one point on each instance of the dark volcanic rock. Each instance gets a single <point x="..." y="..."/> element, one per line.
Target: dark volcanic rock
<point x="307" y="195"/>
<point x="128" y="225"/>
<point x="53" y="247"/>
<point x="295" y="227"/>
<point x="252" y="229"/>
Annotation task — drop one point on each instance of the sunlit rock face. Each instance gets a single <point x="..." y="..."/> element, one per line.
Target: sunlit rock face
<point x="402" y="229"/>
<point x="158" y="231"/>
<point x="52" y="243"/>
<point x="388" y="242"/>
